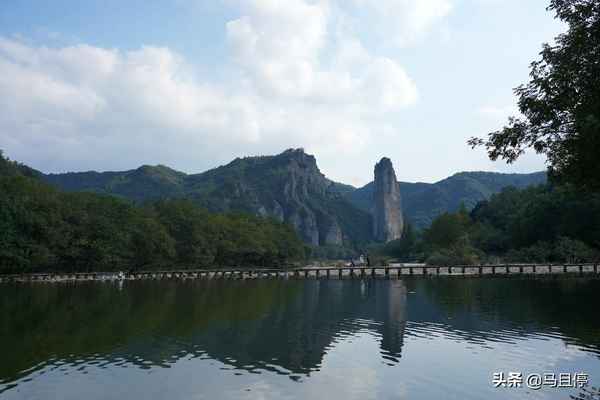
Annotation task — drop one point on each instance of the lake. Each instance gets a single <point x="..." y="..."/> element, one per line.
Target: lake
<point x="419" y="338"/>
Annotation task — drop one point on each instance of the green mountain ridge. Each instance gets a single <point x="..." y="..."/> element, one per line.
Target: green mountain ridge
<point x="144" y="183"/>
<point x="422" y="202"/>
<point x="43" y="229"/>
<point x="290" y="187"/>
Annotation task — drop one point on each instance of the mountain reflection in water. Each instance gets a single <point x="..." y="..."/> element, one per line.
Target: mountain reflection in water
<point x="283" y="328"/>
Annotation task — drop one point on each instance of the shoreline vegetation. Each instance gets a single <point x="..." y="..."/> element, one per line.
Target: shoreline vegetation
<point x="43" y="229"/>
<point x="539" y="224"/>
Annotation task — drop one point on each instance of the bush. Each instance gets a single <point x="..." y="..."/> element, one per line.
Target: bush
<point x="574" y="251"/>
<point x="562" y="250"/>
<point x="456" y="255"/>
<point x="331" y="253"/>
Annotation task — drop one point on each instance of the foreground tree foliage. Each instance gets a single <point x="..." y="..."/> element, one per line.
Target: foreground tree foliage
<point x="537" y="224"/>
<point x="44" y="229"/>
<point x="561" y="102"/>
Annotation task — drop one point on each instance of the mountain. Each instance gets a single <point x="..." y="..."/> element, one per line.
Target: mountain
<point x="9" y="168"/>
<point x="291" y="188"/>
<point x="422" y="202"/>
<point x="146" y="182"/>
<point x="288" y="187"/>
<point x="388" y="221"/>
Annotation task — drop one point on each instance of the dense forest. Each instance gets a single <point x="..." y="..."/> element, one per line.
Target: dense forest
<point x="560" y="119"/>
<point x="45" y="229"/>
<point x="422" y="202"/>
<point x="288" y="186"/>
<point x="537" y="224"/>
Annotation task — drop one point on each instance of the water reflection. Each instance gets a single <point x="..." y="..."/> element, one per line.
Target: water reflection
<point x="281" y="327"/>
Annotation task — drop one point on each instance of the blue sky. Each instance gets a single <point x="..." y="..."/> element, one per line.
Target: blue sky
<point x="192" y="84"/>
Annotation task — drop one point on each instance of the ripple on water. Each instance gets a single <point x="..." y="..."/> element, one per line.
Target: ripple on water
<point x="369" y="337"/>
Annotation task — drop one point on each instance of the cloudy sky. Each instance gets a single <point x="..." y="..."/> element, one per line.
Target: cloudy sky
<point x="192" y="84"/>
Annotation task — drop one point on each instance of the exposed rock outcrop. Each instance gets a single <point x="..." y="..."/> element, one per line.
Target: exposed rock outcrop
<point x="288" y="187"/>
<point x="387" y="212"/>
<point x="423" y="202"/>
<point x="291" y="188"/>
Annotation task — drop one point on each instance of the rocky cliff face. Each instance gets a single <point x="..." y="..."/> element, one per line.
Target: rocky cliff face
<point x="288" y="186"/>
<point x="387" y="214"/>
<point x="291" y="188"/>
<point x="302" y="183"/>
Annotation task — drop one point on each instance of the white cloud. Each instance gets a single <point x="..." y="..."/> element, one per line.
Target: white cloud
<point x="298" y="81"/>
<point x="404" y="21"/>
<point x="283" y="47"/>
<point x="77" y="98"/>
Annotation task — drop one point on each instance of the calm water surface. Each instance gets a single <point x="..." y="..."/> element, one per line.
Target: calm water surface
<point x="275" y="339"/>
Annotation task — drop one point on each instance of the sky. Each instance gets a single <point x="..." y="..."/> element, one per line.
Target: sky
<point x="193" y="84"/>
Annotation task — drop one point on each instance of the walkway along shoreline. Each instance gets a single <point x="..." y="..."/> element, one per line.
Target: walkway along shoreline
<point x="394" y="271"/>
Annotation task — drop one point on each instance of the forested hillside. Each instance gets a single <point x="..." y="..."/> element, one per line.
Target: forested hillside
<point x="45" y="229"/>
<point x="422" y="202"/>
<point x="288" y="187"/>
<point x="536" y="224"/>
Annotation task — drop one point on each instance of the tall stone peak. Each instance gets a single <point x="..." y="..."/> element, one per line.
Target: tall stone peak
<point x="385" y="163"/>
<point x="387" y="210"/>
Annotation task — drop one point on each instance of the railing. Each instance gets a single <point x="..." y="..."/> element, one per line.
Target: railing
<point x="322" y="272"/>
